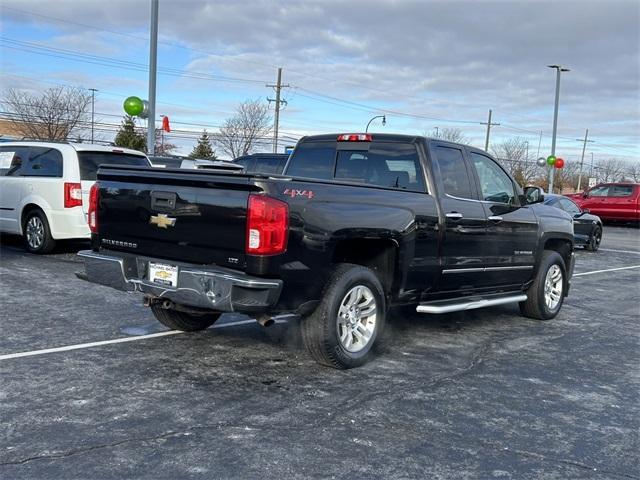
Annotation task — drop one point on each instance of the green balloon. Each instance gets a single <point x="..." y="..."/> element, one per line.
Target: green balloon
<point x="551" y="160"/>
<point x="133" y="106"/>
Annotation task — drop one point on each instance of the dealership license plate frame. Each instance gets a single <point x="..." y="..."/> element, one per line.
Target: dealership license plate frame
<point x="163" y="274"/>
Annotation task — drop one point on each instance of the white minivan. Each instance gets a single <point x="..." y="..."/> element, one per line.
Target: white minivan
<point x="44" y="188"/>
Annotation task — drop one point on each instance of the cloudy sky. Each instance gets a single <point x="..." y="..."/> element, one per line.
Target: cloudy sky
<point x="424" y="64"/>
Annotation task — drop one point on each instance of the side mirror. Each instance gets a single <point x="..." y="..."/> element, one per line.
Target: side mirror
<point x="586" y="210"/>
<point x="585" y="195"/>
<point x="533" y="195"/>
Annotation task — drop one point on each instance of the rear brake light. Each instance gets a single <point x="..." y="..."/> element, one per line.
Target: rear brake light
<point x="355" y="137"/>
<point x="92" y="216"/>
<point x="267" y="225"/>
<point x="72" y="195"/>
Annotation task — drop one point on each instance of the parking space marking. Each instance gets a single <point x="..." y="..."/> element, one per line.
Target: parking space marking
<point x="115" y="340"/>
<point x="619" y="251"/>
<point x="603" y="271"/>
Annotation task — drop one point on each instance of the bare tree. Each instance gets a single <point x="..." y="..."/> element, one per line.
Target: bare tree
<point x="610" y="170"/>
<point x="633" y="171"/>
<point x="512" y="154"/>
<point x="449" y="134"/>
<point x="53" y="115"/>
<point x="240" y="133"/>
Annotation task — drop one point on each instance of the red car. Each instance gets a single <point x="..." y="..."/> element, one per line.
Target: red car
<point x="611" y="201"/>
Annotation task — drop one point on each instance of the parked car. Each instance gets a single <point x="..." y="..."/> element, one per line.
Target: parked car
<point x="587" y="228"/>
<point x="44" y="188"/>
<point x="356" y="224"/>
<point x="192" y="163"/>
<point x="611" y="201"/>
<point x="267" y="163"/>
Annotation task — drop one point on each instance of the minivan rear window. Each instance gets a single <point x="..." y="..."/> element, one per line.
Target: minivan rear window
<point x="90" y="161"/>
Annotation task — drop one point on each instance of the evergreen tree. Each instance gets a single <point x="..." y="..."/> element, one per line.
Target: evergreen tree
<point x="128" y="137"/>
<point x="203" y="149"/>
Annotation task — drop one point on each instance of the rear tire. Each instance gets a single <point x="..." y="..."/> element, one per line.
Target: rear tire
<point x="594" y="240"/>
<point x="186" y="322"/>
<point x="546" y="294"/>
<point x="37" y="234"/>
<point x="342" y="330"/>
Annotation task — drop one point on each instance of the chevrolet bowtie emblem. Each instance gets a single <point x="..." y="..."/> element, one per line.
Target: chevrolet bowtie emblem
<point x="162" y="221"/>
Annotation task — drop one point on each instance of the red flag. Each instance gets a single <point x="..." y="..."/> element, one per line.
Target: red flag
<point x="165" y="124"/>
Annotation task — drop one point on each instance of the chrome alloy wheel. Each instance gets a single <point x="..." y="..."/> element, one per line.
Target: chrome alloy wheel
<point x="35" y="233"/>
<point x="553" y="285"/>
<point x="357" y="318"/>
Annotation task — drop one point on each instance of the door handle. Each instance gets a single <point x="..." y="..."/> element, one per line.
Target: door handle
<point x="495" y="218"/>
<point x="453" y="215"/>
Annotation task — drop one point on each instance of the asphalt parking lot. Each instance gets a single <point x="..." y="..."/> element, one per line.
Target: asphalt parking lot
<point x="480" y="394"/>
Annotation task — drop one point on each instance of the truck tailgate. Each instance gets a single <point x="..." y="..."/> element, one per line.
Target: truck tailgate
<point x="187" y="215"/>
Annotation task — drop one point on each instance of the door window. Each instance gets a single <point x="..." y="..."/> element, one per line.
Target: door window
<point x="453" y="171"/>
<point x="11" y="160"/>
<point x="43" y="162"/>
<point x="621" y="191"/>
<point x="495" y="184"/>
<point x="599" y="192"/>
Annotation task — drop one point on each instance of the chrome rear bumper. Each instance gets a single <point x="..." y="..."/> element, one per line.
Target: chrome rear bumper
<point x="214" y="288"/>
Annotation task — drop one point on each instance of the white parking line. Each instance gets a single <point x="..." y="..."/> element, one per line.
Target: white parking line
<point x="109" y="342"/>
<point x="603" y="271"/>
<point x="619" y="251"/>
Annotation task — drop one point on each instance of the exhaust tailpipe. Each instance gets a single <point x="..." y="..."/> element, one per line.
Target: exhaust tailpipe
<point x="265" y="320"/>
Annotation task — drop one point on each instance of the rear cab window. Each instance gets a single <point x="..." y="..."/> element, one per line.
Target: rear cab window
<point x="621" y="190"/>
<point x="90" y="161"/>
<point x="382" y="164"/>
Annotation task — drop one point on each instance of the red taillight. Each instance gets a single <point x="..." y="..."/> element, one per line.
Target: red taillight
<point x="72" y="195"/>
<point x="267" y="225"/>
<point x="355" y="137"/>
<point x="92" y="216"/>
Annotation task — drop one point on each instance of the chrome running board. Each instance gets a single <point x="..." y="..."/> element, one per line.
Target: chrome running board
<point x="458" y="305"/>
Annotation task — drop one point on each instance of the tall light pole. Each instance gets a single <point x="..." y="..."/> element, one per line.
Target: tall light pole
<point x="153" y="66"/>
<point x="559" y="70"/>
<point x="384" y="121"/>
<point x="93" y="102"/>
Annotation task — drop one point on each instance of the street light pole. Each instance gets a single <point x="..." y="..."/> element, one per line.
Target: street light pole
<point x="384" y="121"/>
<point x="93" y="101"/>
<point x="153" y="66"/>
<point x="559" y="70"/>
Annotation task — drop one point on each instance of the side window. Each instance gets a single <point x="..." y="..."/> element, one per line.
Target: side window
<point x="313" y="160"/>
<point x="495" y="184"/>
<point x="621" y="191"/>
<point x="599" y="191"/>
<point x="246" y="162"/>
<point x="454" y="172"/>
<point x="268" y="165"/>
<point x="569" y="207"/>
<point x="11" y="160"/>
<point x="43" y="162"/>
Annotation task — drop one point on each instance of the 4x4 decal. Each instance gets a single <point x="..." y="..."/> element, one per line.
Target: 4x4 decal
<point x="292" y="192"/>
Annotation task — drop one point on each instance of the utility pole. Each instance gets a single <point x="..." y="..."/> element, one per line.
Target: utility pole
<point x="488" y="124"/>
<point x="584" y="147"/>
<point x="93" y="102"/>
<point x="539" y="143"/>
<point x="559" y="70"/>
<point x="276" y="121"/>
<point x="591" y="169"/>
<point x="153" y="66"/>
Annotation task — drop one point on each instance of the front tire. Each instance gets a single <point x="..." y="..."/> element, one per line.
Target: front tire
<point x="546" y="294"/>
<point x="37" y="234"/>
<point x="186" y="322"/>
<point x="594" y="240"/>
<point x="342" y="330"/>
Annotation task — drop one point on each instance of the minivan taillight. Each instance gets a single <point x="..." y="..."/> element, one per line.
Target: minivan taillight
<point x="92" y="217"/>
<point x="72" y="195"/>
<point x="267" y="225"/>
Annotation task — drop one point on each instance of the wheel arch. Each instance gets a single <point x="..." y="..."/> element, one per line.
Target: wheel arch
<point x="378" y="254"/>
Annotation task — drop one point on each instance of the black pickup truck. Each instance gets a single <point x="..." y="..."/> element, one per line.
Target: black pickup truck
<point x="356" y="224"/>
